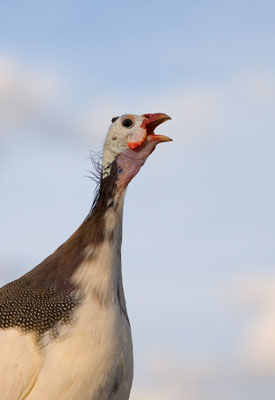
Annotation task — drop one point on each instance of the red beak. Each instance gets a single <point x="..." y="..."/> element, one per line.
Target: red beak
<point x="150" y="122"/>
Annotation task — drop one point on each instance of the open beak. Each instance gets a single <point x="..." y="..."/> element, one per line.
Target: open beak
<point x="150" y="122"/>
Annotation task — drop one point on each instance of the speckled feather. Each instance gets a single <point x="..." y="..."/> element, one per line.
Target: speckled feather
<point x="35" y="309"/>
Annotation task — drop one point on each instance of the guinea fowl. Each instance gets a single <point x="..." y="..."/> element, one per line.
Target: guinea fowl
<point x="64" y="328"/>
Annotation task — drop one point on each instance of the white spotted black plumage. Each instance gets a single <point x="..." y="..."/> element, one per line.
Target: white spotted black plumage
<point x="36" y="309"/>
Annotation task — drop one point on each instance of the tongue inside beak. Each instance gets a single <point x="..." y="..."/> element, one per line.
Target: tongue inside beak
<point x="150" y="122"/>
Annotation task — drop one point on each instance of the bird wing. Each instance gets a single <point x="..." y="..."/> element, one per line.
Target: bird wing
<point x="20" y="363"/>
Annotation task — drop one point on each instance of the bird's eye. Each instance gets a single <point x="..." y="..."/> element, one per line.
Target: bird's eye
<point x="127" y="123"/>
<point x="114" y="119"/>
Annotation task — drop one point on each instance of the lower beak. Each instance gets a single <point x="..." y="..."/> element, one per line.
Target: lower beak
<point x="158" y="138"/>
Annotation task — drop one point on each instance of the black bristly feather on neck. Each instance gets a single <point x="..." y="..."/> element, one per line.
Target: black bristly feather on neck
<point x="105" y="188"/>
<point x="95" y="172"/>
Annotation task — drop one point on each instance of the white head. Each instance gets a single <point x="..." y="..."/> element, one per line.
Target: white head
<point x="129" y="141"/>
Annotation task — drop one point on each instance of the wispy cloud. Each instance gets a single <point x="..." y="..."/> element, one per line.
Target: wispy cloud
<point x="200" y="112"/>
<point x="35" y="97"/>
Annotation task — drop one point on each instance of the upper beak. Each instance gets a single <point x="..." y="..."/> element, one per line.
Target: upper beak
<point x="150" y="122"/>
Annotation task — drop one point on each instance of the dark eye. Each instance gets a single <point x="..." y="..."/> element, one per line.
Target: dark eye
<point x="114" y="119"/>
<point x="127" y="123"/>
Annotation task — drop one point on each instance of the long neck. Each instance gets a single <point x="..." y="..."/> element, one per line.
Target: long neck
<point x="99" y="274"/>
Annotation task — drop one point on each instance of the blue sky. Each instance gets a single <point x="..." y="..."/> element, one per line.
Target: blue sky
<point x="200" y="290"/>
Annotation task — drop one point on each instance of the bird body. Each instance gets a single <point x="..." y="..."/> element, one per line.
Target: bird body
<point x="64" y="328"/>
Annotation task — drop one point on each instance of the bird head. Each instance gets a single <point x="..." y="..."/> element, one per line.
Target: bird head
<point x="130" y="140"/>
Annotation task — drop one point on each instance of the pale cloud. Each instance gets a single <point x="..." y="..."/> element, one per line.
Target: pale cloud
<point x="189" y="378"/>
<point x="200" y="377"/>
<point x="257" y="344"/>
<point x="160" y="394"/>
<point x="34" y="99"/>
<point x="248" y="370"/>
<point x="259" y="86"/>
<point x="182" y="371"/>
<point x="25" y="94"/>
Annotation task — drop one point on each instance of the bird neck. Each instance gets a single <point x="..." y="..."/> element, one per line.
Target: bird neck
<point x="99" y="274"/>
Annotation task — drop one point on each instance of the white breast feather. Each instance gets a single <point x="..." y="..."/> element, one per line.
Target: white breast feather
<point x="20" y="363"/>
<point x="83" y="365"/>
